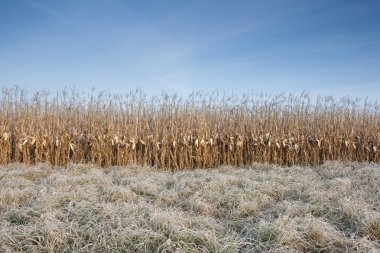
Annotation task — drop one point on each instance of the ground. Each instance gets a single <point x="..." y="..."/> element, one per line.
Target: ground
<point x="331" y="208"/>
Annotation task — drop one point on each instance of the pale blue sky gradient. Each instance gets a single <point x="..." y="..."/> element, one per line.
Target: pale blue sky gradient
<point x="326" y="46"/>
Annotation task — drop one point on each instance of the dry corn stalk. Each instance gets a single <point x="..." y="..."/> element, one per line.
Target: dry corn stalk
<point x="174" y="133"/>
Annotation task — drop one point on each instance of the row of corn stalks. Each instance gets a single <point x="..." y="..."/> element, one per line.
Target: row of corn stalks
<point x="198" y="131"/>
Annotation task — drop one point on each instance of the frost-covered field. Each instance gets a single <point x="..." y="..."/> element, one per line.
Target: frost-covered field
<point x="331" y="208"/>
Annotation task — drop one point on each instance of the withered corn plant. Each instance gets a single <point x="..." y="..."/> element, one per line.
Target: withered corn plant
<point x="199" y="131"/>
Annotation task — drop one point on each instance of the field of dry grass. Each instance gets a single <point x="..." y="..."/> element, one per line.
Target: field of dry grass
<point x="333" y="207"/>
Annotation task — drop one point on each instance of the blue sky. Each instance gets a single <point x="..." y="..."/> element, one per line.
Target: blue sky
<point x="328" y="47"/>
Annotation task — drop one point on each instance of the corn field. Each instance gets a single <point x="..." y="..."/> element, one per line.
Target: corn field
<point x="199" y="131"/>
